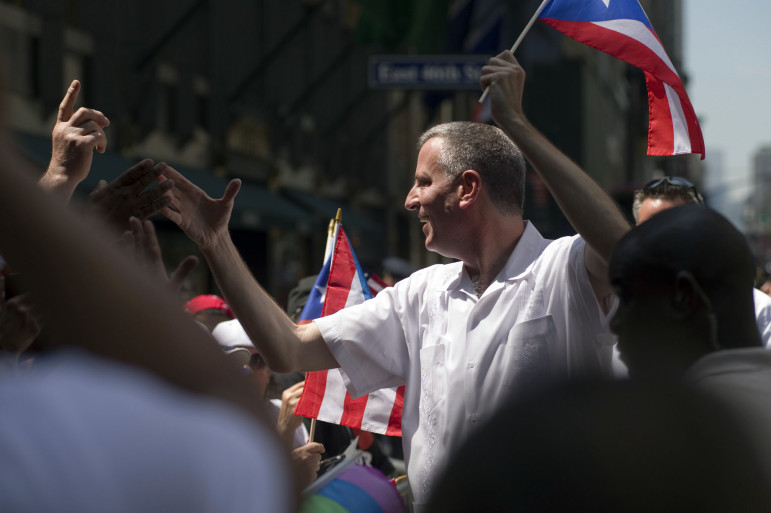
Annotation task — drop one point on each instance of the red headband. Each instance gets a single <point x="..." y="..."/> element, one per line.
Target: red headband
<point x="208" y="302"/>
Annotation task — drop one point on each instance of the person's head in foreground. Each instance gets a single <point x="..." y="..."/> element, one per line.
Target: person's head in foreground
<point x="616" y="447"/>
<point x="684" y="279"/>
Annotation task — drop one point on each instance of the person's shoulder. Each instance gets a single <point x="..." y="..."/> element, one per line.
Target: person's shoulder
<point x="568" y="247"/>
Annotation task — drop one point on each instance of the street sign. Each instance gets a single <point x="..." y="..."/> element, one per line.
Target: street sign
<point x="437" y="72"/>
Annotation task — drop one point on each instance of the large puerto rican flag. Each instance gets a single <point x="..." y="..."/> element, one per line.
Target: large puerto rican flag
<point x="621" y="28"/>
<point x="341" y="283"/>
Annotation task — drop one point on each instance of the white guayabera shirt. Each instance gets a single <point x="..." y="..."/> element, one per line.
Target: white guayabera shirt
<point x="460" y="355"/>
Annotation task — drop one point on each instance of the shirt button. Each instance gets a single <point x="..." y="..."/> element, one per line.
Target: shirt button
<point x="473" y="417"/>
<point x="470" y="365"/>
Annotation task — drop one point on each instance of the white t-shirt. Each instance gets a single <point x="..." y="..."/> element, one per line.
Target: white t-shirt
<point x="82" y="434"/>
<point x="460" y="355"/>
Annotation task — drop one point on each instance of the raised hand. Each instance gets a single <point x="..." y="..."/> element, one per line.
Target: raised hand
<point x="288" y="422"/>
<point x="143" y="239"/>
<point x="202" y="218"/>
<point x="506" y="80"/>
<point x="74" y="138"/>
<point x="128" y="195"/>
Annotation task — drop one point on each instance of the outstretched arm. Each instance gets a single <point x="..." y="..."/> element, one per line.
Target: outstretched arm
<point x="97" y="299"/>
<point x="75" y="137"/>
<point x="285" y="346"/>
<point x="589" y="209"/>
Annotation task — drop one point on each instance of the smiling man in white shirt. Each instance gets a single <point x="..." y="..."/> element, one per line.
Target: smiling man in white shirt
<point x="515" y="311"/>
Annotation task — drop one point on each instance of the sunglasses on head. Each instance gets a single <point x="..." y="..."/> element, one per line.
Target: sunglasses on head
<point x="676" y="181"/>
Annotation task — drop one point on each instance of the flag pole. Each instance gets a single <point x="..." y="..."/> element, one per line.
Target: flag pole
<point x="519" y="40"/>
<point x="331" y="232"/>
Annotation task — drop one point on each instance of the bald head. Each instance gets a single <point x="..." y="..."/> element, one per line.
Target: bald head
<point x="689" y="238"/>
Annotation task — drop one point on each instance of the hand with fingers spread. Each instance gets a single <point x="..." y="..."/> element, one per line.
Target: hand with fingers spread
<point x="506" y="80"/>
<point x="143" y="239"/>
<point x="129" y="195"/>
<point x="202" y="218"/>
<point x="75" y="136"/>
<point x="288" y="422"/>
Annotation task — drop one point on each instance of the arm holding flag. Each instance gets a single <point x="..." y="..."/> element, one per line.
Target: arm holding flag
<point x="588" y="208"/>
<point x="285" y="346"/>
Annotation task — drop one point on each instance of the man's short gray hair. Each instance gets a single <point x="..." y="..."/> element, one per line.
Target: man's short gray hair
<point x="488" y="151"/>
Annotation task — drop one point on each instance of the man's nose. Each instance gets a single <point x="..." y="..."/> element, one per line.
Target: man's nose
<point x="411" y="203"/>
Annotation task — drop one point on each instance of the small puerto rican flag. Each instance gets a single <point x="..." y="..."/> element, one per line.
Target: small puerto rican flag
<point x="341" y="283"/>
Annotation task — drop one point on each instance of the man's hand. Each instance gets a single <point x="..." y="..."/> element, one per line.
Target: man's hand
<point x="75" y="136"/>
<point x="306" y="461"/>
<point x="203" y="219"/>
<point x="128" y="195"/>
<point x="145" y="242"/>
<point x="506" y="80"/>
<point x="288" y="422"/>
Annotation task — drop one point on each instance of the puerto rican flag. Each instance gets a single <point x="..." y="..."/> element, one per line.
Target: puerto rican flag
<point x="621" y="28"/>
<point x="341" y="283"/>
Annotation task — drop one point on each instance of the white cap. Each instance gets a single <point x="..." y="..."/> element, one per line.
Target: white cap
<point x="232" y="334"/>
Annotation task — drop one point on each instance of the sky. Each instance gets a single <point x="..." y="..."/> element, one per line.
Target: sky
<point x="728" y="60"/>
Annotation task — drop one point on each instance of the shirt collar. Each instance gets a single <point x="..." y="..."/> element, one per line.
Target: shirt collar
<point x="529" y="247"/>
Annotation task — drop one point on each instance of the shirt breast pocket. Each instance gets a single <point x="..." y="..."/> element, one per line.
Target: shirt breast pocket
<point x="531" y="355"/>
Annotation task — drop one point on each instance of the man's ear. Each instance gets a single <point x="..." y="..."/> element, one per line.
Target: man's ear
<point x="470" y="187"/>
<point x="687" y="296"/>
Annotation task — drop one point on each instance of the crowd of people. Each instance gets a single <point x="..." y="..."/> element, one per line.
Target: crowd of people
<point x="116" y="395"/>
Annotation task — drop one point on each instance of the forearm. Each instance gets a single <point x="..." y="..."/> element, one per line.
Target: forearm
<point x="58" y="181"/>
<point x="590" y="210"/>
<point x="279" y="340"/>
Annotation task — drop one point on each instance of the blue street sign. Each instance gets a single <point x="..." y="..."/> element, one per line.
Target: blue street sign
<point x="439" y="72"/>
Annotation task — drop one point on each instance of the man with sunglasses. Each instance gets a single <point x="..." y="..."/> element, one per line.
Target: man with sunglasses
<point x="305" y="455"/>
<point x="684" y="280"/>
<point x="662" y="193"/>
<point x="671" y="191"/>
